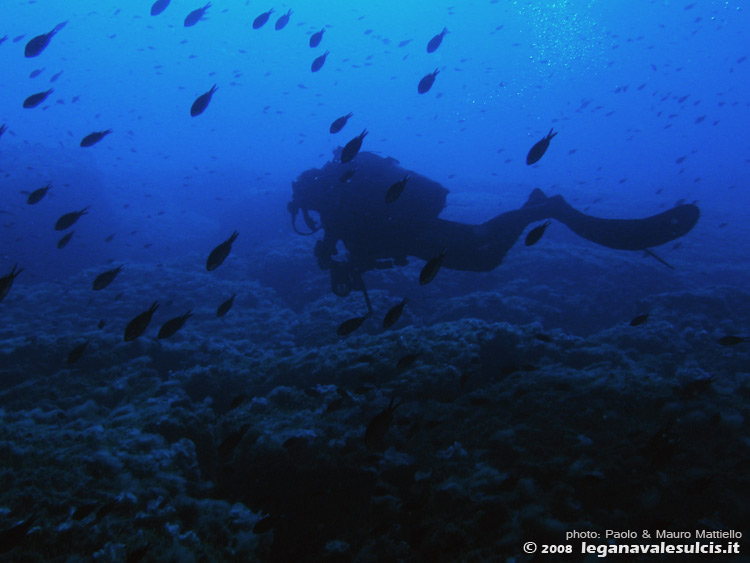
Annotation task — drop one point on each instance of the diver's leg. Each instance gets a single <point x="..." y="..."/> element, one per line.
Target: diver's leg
<point x="481" y="248"/>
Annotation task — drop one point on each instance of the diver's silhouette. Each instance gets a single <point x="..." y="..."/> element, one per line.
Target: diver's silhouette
<point x="353" y="209"/>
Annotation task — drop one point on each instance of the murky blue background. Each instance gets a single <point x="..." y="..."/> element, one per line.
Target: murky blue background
<point x="630" y="90"/>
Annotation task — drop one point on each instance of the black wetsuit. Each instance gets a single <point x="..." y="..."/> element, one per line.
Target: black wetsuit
<point x="379" y="234"/>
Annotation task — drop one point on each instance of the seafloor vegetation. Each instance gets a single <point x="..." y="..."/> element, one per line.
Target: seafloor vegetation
<point x="243" y="438"/>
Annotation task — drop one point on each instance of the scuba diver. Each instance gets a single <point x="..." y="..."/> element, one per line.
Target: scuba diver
<point x="356" y="206"/>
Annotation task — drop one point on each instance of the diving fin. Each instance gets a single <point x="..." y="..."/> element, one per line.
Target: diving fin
<point x="627" y="234"/>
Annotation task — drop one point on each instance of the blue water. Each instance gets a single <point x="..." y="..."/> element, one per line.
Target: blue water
<point x="649" y="102"/>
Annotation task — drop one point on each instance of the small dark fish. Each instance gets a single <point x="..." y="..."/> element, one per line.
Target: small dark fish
<point x="137" y="554"/>
<point x="35" y="73"/>
<point x="335" y="404"/>
<point x="36" y="99"/>
<point x="543" y="337"/>
<point x="350" y="325"/>
<point x="14" y="535"/>
<point x="352" y="147"/>
<point x="196" y="15"/>
<point x="230" y="443"/>
<point x="84" y="510"/>
<point x="512" y="367"/>
<point x="407" y="360"/>
<point x="69" y="219"/>
<point x="427" y="81"/>
<point x="282" y="21"/>
<point x="138" y="325"/>
<point x="105" y="278"/>
<point x="536" y="233"/>
<point x="201" y="102"/>
<point x="3" y="39"/>
<point x="695" y="387"/>
<point x="93" y="138"/>
<point x="431" y="269"/>
<point x="173" y="325"/>
<point x="729" y="340"/>
<point x="294" y="442"/>
<point x="3" y="129"/>
<point x="109" y="238"/>
<point x="638" y="320"/>
<point x="378" y="426"/>
<point x="36" y="45"/>
<point x="394" y="313"/>
<point x="316" y="37"/>
<point x="538" y="150"/>
<point x="435" y="42"/>
<point x="339" y="123"/>
<point x="236" y="402"/>
<point x="346" y="176"/>
<point x="158" y="7"/>
<point x="394" y="192"/>
<point x="63" y="242"/>
<point x="261" y="20"/>
<point x="54" y="77"/>
<point x="106" y="508"/>
<point x="219" y="254"/>
<point x="37" y="195"/>
<point x="661" y="446"/>
<point x="102" y="324"/>
<point x="265" y="524"/>
<point x="224" y="307"/>
<point x="317" y="64"/>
